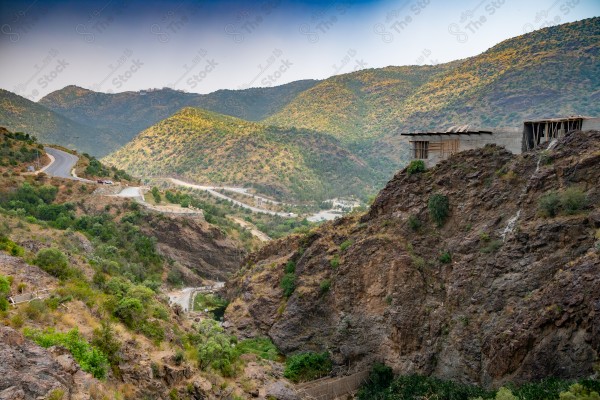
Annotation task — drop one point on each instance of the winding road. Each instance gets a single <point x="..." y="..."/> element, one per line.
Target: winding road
<point x="212" y="191"/>
<point x="62" y="164"/>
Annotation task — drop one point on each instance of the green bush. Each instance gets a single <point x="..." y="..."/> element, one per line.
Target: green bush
<point x="106" y="341"/>
<point x="445" y="258"/>
<point x="345" y="244"/>
<point x="262" y="347"/>
<point x="129" y="311"/>
<point x="579" y="392"/>
<point x="325" y="285"/>
<point x="439" y="208"/>
<point x="54" y="262"/>
<point x="11" y="247"/>
<point x="307" y="366"/>
<point x="290" y="267"/>
<point x="288" y="284"/>
<point x="414" y="223"/>
<point x="90" y="358"/>
<point x="549" y="204"/>
<point x="380" y="379"/>
<point x="573" y="200"/>
<point x="335" y="261"/>
<point x="415" y="167"/>
<point x="216" y="349"/>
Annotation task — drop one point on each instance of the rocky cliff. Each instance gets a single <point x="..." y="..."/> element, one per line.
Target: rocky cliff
<point x="507" y="289"/>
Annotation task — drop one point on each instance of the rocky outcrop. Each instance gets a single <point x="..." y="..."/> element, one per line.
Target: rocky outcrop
<point x="200" y="248"/>
<point x="516" y="298"/>
<point x="28" y="371"/>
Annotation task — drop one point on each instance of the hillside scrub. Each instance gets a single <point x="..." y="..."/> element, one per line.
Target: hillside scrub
<point x="307" y="366"/>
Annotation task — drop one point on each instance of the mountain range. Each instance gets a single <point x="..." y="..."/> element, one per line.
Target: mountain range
<point x="550" y="72"/>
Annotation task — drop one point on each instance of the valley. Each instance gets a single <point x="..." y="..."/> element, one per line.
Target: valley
<point x="290" y="243"/>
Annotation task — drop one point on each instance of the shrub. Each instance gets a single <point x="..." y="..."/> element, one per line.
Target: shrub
<point x="578" y="392"/>
<point x="54" y="262"/>
<point x="156" y="194"/>
<point x="573" y="200"/>
<point x="105" y="340"/>
<point x="307" y="366"/>
<point x="335" y="261"/>
<point x="90" y="358"/>
<point x="288" y="284"/>
<point x="414" y="222"/>
<point x="445" y="257"/>
<point x="345" y="244"/>
<point x="325" y="285"/>
<point x="290" y="267"/>
<point x="262" y="347"/>
<point x="492" y="246"/>
<point x="129" y="311"/>
<point x="380" y="378"/>
<point x="415" y="167"/>
<point x="216" y="349"/>
<point x="548" y="205"/>
<point x="439" y="208"/>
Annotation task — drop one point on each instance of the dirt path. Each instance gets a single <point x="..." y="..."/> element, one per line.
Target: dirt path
<point x="263" y="237"/>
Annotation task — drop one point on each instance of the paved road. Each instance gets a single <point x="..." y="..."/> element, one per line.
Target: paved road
<point x="210" y="189"/>
<point x="62" y="165"/>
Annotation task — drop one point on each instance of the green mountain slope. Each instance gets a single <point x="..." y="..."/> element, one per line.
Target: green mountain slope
<point x="123" y="115"/>
<point x="211" y="148"/>
<point x="20" y="114"/>
<point x="553" y="71"/>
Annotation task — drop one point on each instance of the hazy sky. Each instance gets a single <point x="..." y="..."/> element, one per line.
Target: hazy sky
<point x="202" y="46"/>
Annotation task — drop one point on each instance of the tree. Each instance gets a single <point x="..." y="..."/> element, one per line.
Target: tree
<point x="439" y="208"/>
<point x="54" y="262"/>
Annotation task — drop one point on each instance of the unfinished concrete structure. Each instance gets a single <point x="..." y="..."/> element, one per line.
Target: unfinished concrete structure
<point x="537" y="132"/>
<point x="433" y="147"/>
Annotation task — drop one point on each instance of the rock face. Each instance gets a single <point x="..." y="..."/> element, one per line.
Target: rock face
<point x="517" y="300"/>
<point x="28" y="371"/>
<point x="196" y="245"/>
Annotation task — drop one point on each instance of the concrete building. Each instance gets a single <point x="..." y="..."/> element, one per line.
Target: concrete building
<point x="433" y="147"/>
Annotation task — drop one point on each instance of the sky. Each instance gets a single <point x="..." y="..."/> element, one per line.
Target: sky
<point x="202" y="46"/>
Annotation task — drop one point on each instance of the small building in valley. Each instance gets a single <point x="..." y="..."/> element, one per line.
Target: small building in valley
<point x="537" y="132"/>
<point x="433" y="147"/>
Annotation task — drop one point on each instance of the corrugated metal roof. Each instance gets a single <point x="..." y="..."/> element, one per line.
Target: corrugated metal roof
<point x="557" y="119"/>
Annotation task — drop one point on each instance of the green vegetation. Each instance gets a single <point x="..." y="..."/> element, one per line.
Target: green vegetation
<point x="307" y="366"/>
<point x="415" y="167"/>
<point x="262" y="347"/>
<point x="445" y="257"/>
<point x="95" y="169"/>
<point x="288" y="284"/>
<point x="4" y="292"/>
<point x="345" y="244"/>
<point x="335" y="261"/>
<point x="10" y="247"/>
<point x="570" y="201"/>
<point x="214" y="304"/>
<point x="325" y="285"/>
<point x="285" y="163"/>
<point x="54" y="262"/>
<point x="383" y="386"/>
<point x="414" y="223"/>
<point x="216" y="349"/>
<point x="89" y="357"/>
<point x="156" y="194"/>
<point x="439" y="208"/>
